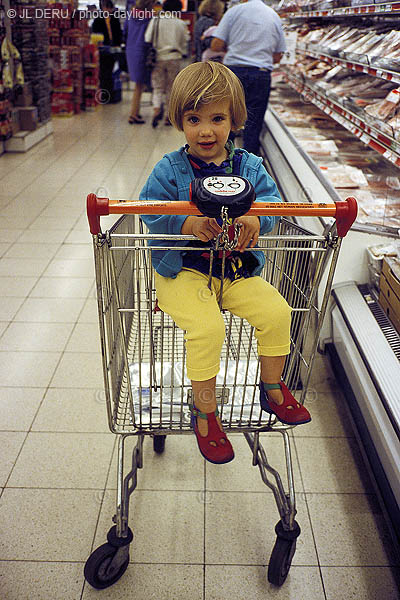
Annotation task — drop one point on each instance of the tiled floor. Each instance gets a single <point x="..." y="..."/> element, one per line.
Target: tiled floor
<point x="202" y="532"/>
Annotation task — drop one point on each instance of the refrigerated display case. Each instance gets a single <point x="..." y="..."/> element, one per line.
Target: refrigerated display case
<point x="307" y="156"/>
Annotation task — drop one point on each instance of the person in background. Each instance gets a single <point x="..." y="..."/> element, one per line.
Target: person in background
<point x="209" y="54"/>
<point x="135" y="27"/>
<point x="108" y="25"/>
<point x="210" y="12"/>
<point x="252" y="34"/>
<point x="170" y="39"/>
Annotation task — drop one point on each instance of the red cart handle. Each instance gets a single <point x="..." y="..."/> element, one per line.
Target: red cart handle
<point x="345" y="212"/>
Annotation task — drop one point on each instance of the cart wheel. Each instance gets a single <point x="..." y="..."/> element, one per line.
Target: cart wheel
<point x="96" y="568"/>
<point x="159" y="443"/>
<point x="282" y="554"/>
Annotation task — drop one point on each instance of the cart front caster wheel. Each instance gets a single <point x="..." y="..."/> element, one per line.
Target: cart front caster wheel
<point x="282" y="554"/>
<point x="159" y="443"/>
<point x="98" y="569"/>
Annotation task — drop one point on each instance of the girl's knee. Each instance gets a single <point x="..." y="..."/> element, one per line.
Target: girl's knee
<point x="213" y="332"/>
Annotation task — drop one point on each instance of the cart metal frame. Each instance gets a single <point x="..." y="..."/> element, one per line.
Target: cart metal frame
<point x="143" y="352"/>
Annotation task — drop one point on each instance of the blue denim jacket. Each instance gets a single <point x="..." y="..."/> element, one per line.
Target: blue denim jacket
<point x="170" y="180"/>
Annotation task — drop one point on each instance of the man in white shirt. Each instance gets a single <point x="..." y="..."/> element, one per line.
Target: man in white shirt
<point x="251" y="33"/>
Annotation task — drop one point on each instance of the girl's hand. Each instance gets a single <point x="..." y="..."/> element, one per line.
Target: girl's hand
<point x="250" y="230"/>
<point x="203" y="228"/>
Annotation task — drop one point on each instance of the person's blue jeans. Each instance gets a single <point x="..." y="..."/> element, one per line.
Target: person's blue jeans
<point x="257" y="86"/>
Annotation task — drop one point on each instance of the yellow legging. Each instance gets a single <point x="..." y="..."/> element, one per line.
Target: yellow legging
<point x="194" y="308"/>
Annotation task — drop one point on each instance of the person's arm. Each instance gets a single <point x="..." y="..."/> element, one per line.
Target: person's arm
<point x="161" y="185"/>
<point x="183" y="38"/>
<point x="266" y="191"/>
<point x="218" y="45"/>
<point x="277" y="56"/>
<point x="149" y="31"/>
<point x="221" y="34"/>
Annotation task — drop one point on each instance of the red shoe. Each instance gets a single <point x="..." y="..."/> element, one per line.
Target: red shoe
<point x="220" y="453"/>
<point x="290" y="411"/>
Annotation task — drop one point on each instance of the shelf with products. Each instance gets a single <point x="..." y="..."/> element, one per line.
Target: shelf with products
<point x="385" y="8"/>
<point x="384" y="143"/>
<point x="352" y="65"/>
<point x="346" y="161"/>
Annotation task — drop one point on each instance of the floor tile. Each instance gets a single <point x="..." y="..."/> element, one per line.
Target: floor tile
<point x="9" y="307"/>
<point x="70" y="268"/>
<point x="244" y="523"/>
<point x="367" y="583"/>
<point x="42" y="236"/>
<point x="243" y="583"/>
<point x="179" y="467"/>
<point x="4" y="247"/>
<point x="79" y="237"/>
<point x="89" y="313"/>
<point x="50" y="310"/>
<point x="79" y="370"/>
<point x="48" y="525"/>
<point x="18" y="407"/>
<point x="10" y="444"/>
<point x="61" y="287"/>
<point x="21" y="250"/>
<point x="3" y="327"/>
<point x="350" y="530"/>
<point x="152" y="582"/>
<point x="167" y="526"/>
<point x="329" y="416"/>
<point x="73" y="410"/>
<point x="49" y="337"/>
<point x="85" y="338"/>
<point x="53" y="223"/>
<point x="63" y="460"/>
<point x="22" y="267"/>
<point x="74" y="251"/>
<point x="22" y="580"/>
<point x="27" y="369"/>
<point x="240" y="475"/>
<point x="14" y="222"/>
<point x="16" y="286"/>
<point x="322" y="378"/>
<point x="331" y="465"/>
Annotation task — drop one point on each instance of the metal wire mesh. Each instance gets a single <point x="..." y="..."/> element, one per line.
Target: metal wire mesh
<point x="144" y="351"/>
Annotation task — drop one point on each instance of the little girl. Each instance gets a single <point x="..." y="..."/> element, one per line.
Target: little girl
<point x="207" y="102"/>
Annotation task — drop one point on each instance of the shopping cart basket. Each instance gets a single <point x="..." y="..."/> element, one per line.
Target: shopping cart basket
<point x="147" y="392"/>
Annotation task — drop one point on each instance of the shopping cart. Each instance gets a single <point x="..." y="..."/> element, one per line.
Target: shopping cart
<point x="147" y="392"/>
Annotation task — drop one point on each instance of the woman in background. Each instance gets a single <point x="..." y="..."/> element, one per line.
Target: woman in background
<point x="210" y="12"/>
<point x="135" y="27"/>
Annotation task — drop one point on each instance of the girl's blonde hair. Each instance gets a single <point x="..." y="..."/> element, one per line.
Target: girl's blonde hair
<point x="204" y="82"/>
<point x="211" y="8"/>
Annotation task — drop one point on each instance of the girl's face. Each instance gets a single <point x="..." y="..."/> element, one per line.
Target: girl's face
<point x="207" y="129"/>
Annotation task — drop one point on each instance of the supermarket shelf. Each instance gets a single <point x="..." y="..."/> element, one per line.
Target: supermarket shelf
<point x="386" y="145"/>
<point x="352" y="65"/>
<point x="386" y="8"/>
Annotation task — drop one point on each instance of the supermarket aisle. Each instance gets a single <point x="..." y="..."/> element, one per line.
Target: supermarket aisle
<point x="202" y="532"/>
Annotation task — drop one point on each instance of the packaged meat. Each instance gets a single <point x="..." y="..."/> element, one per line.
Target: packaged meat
<point x="386" y="108"/>
<point x="320" y="148"/>
<point x="345" y="176"/>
